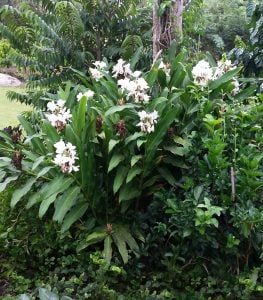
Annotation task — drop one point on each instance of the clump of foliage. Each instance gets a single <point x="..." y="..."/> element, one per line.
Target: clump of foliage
<point x="156" y="172"/>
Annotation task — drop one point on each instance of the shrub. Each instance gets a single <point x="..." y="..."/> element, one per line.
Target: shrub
<point x="163" y="167"/>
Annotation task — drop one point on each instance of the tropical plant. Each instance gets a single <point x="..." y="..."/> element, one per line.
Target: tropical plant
<point x="104" y="156"/>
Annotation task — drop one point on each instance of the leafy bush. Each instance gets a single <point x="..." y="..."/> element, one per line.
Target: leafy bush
<point x="164" y="167"/>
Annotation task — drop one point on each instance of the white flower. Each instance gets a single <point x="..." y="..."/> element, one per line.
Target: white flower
<point x="98" y="72"/>
<point x="136" y="74"/>
<point x="135" y="89"/>
<point x="59" y="115"/>
<point x="51" y="106"/>
<point x="223" y="66"/>
<point x="124" y="84"/>
<point x="100" y="65"/>
<point x="121" y="68"/>
<point x="66" y="156"/>
<point x="236" y="87"/>
<point x="147" y="120"/>
<point x="88" y="94"/>
<point x="202" y="73"/>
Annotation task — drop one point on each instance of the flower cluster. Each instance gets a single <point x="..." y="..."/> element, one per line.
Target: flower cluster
<point x="147" y="121"/>
<point x="59" y="115"/>
<point x="88" y="94"/>
<point x="202" y="73"/>
<point x="223" y="66"/>
<point x="99" y="70"/>
<point x="121" y="69"/>
<point x="135" y="88"/>
<point x="66" y="156"/>
<point x="131" y="82"/>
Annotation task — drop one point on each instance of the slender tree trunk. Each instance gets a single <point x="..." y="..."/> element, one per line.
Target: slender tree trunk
<point x="167" y="26"/>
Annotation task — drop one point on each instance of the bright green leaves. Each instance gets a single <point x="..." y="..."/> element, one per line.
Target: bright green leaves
<point x="65" y="202"/>
<point x="205" y="215"/>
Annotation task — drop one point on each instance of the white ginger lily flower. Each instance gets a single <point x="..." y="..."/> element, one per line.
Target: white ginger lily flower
<point x="98" y="72"/>
<point x="202" y="73"/>
<point x="88" y="94"/>
<point x="66" y="156"/>
<point x="223" y="66"/>
<point x="59" y="115"/>
<point x="135" y="89"/>
<point x="121" y="69"/>
<point x="147" y="121"/>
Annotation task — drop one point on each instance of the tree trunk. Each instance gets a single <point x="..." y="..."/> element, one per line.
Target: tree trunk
<point x="167" y="26"/>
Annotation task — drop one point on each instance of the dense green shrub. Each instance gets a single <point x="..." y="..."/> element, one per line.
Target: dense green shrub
<point x="179" y="191"/>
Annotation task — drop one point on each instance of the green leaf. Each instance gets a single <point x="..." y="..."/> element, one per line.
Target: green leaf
<point x="198" y="191"/>
<point x="135" y="159"/>
<point x="121" y="245"/>
<point x="126" y="235"/>
<point x="162" y="78"/>
<point x="45" y="294"/>
<point x="19" y="193"/>
<point x="50" y="131"/>
<point x="37" y="162"/>
<point x="244" y="94"/>
<point x="181" y="151"/>
<point x="128" y="192"/>
<point x="132" y="173"/>
<point x="224" y="78"/>
<point x="64" y="203"/>
<point x="167" y="175"/>
<point x="136" y="57"/>
<point x="81" y="114"/>
<point x="119" y="108"/>
<point x="115" y="160"/>
<point x="4" y="184"/>
<point x="112" y="144"/>
<point x="133" y="137"/>
<point x="45" y="204"/>
<point x="2" y="175"/>
<point x="76" y="213"/>
<point x="154" y="141"/>
<point x="108" y="248"/>
<point x="153" y="74"/>
<point x="55" y="186"/>
<point x="93" y="238"/>
<point x="119" y="178"/>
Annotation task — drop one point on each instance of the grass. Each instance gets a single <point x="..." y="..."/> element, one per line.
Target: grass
<point x="9" y="110"/>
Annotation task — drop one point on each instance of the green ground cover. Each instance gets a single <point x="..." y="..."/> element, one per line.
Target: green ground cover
<point x="9" y="110"/>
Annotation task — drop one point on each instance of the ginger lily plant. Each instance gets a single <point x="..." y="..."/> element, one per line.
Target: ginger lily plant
<point x="102" y="150"/>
